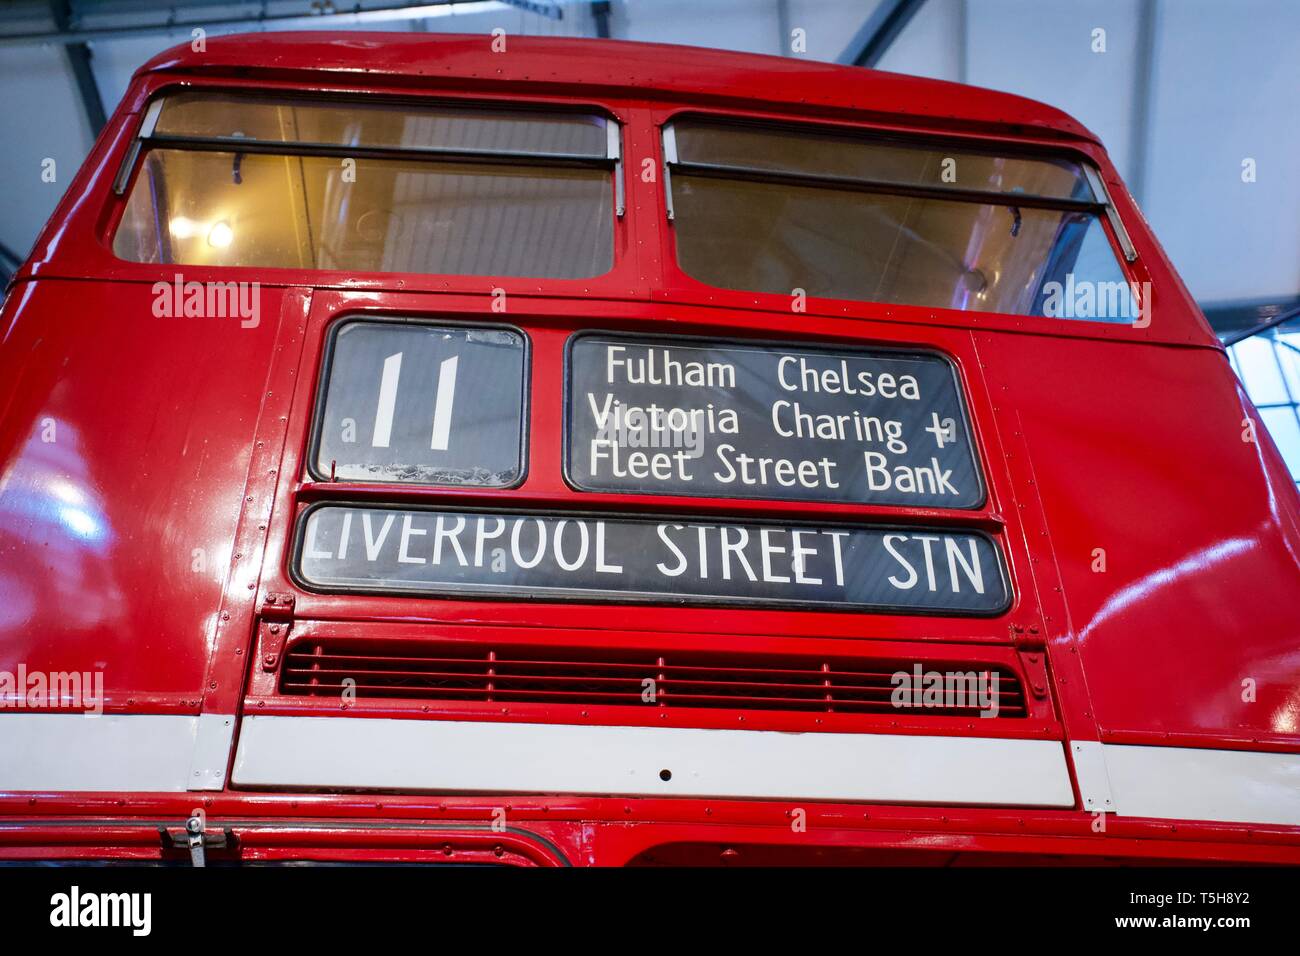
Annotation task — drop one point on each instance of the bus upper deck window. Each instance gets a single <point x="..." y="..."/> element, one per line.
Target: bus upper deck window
<point x="247" y="180"/>
<point x="770" y="209"/>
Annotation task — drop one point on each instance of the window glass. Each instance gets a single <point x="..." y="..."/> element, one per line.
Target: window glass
<point x="1268" y="365"/>
<point x="1287" y="349"/>
<point x="818" y="153"/>
<point x="435" y="190"/>
<point x="879" y="247"/>
<point x="1260" y="371"/>
<point x="1283" y="425"/>
<point x="310" y="212"/>
<point x="777" y="211"/>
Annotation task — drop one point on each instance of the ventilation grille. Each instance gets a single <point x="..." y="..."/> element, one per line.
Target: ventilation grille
<point x="602" y="676"/>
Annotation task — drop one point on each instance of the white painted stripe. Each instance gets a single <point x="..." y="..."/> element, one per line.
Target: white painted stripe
<point x="132" y="752"/>
<point x="171" y="753"/>
<point x="387" y="401"/>
<point x="443" y="402"/>
<point x="482" y="757"/>
<point x="1182" y="783"/>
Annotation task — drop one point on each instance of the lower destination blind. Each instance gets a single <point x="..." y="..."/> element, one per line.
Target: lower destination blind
<point x="667" y="560"/>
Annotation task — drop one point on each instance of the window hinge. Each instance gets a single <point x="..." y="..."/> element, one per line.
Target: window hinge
<point x="274" y="621"/>
<point x="277" y="607"/>
<point x="670" y="160"/>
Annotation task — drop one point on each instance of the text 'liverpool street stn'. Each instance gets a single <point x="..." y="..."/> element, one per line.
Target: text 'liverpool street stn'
<point x="662" y="559"/>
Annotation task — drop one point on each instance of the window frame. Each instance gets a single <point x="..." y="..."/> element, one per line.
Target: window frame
<point x="147" y="138"/>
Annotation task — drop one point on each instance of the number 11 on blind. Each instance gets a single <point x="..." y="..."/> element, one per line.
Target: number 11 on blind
<point x="442" y="404"/>
<point x="388" y="402"/>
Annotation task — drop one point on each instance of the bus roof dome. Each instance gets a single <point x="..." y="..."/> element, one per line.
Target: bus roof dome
<point x="618" y="67"/>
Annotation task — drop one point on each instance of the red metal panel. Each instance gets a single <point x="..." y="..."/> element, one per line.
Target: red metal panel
<point x="612" y="831"/>
<point x="126" y="440"/>
<point x="1198" y="527"/>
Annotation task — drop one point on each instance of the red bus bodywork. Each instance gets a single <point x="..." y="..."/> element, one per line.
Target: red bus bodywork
<point x="1178" y="653"/>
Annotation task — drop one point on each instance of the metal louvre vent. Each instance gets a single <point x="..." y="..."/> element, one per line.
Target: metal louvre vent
<point x="610" y="677"/>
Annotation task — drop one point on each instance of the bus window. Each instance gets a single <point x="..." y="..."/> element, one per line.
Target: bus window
<point x="256" y="181"/>
<point x="774" y="210"/>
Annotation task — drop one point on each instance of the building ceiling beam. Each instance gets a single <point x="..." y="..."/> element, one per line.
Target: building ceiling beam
<point x="879" y="32"/>
<point x="78" y="54"/>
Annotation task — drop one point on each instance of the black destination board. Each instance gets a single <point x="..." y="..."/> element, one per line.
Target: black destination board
<point x="687" y="417"/>
<point x="422" y="403"/>
<point x="664" y="560"/>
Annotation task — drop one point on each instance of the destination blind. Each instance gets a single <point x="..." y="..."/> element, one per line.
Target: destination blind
<point x="657" y="559"/>
<point x="684" y="417"/>
<point x="420" y="402"/>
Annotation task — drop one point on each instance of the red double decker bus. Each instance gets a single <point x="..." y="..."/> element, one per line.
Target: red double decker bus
<point x="428" y="449"/>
